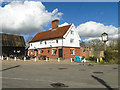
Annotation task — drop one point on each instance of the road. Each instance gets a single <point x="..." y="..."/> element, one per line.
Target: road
<point x="35" y="75"/>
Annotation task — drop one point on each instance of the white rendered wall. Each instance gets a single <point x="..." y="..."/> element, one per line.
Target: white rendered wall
<point x="68" y="36"/>
<point x="49" y="43"/>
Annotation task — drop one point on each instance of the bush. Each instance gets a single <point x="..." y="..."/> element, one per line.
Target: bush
<point x="92" y="58"/>
<point x="111" y="56"/>
<point x="82" y="57"/>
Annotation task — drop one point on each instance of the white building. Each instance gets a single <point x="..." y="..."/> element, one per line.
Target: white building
<point x="57" y="42"/>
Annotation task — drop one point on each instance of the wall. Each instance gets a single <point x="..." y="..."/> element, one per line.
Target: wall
<point x="94" y="53"/>
<point x="66" y="52"/>
<point x="47" y="45"/>
<point x="68" y="36"/>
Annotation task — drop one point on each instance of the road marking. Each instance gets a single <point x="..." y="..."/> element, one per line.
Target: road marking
<point x="27" y="79"/>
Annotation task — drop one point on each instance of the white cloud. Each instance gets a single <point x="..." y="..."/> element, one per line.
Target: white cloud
<point x="26" y="17"/>
<point x="92" y="38"/>
<point x="64" y="24"/>
<point x="94" y="29"/>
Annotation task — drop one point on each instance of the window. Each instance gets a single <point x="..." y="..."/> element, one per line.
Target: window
<point x="31" y="44"/>
<point x="72" y="51"/>
<point x="40" y="42"/>
<point x="72" y="32"/>
<point x="45" y="42"/>
<point x="56" y="41"/>
<point x="71" y="40"/>
<point x="54" y="51"/>
<point x="40" y="51"/>
<point x="83" y="50"/>
<point x="48" y="51"/>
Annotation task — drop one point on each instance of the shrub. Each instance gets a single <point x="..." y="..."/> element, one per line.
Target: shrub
<point x="110" y="56"/>
<point x="92" y="58"/>
<point x="82" y="57"/>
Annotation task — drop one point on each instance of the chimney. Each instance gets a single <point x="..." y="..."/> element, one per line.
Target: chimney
<point x="55" y="23"/>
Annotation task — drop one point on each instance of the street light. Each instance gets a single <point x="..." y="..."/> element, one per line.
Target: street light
<point x="104" y="39"/>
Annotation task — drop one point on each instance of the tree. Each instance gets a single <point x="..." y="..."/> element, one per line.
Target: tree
<point x="96" y="44"/>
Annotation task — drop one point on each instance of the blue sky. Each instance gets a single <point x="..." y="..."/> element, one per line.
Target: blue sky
<point x="78" y="13"/>
<point x="81" y="12"/>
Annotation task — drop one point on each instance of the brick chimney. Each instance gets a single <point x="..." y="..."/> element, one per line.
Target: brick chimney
<point x="55" y="23"/>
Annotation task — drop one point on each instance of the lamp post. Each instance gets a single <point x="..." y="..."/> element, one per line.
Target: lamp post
<point x="104" y="39"/>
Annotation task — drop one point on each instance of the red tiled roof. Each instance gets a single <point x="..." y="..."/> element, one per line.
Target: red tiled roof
<point x="50" y="34"/>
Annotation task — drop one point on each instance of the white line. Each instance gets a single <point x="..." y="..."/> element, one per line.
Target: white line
<point x="27" y="79"/>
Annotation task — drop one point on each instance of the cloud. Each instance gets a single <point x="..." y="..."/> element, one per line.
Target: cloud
<point x="94" y="29"/>
<point x="92" y="38"/>
<point x="26" y="17"/>
<point x="64" y="24"/>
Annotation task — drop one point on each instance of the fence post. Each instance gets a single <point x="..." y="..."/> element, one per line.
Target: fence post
<point x="97" y="60"/>
<point x="7" y="58"/>
<point x="35" y="59"/>
<point x="46" y="59"/>
<point x="2" y="57"/>
<point x="14" y="58"/>
<point x="24" y="58"/>
<point x="58" y="59"/>
<point x="71" y="60"/>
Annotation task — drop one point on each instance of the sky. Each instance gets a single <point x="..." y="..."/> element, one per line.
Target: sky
<point x="91" y="19"/>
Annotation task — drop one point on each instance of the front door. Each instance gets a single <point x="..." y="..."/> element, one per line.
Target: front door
<point x="60" y="53"/>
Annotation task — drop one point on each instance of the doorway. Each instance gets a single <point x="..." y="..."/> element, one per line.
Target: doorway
<point x="60" y="53"/>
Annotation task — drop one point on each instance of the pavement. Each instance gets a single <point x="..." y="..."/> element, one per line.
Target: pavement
<point x="52" y="74"/>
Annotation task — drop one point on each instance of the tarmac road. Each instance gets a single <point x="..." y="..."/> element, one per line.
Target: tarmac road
<point x="35" y="75"/>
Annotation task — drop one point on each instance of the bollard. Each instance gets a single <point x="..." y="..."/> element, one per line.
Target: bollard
<point x="71" y="60"/>
<point x="7" y="58"/>
<point x="14" y="58"/>
<point x="24" y="58"/>
<point x="58" y="59"/>
<point x="2" y="57"/>
<point x="84" y="60"/>
<point x="35" y="59"/>
<point x="46" y="59"/>
<point x="97" y="60"/>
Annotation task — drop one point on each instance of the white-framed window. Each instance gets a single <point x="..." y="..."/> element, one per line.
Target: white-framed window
<point x="40" y="42"/>
<point x="72" y="51"/>
<point x="54" y="51"/>
<point x="40" y="51"/>
<point x="71" y="40"/>
<point x="31" y="44"/>
<point x="72" y="32"/>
